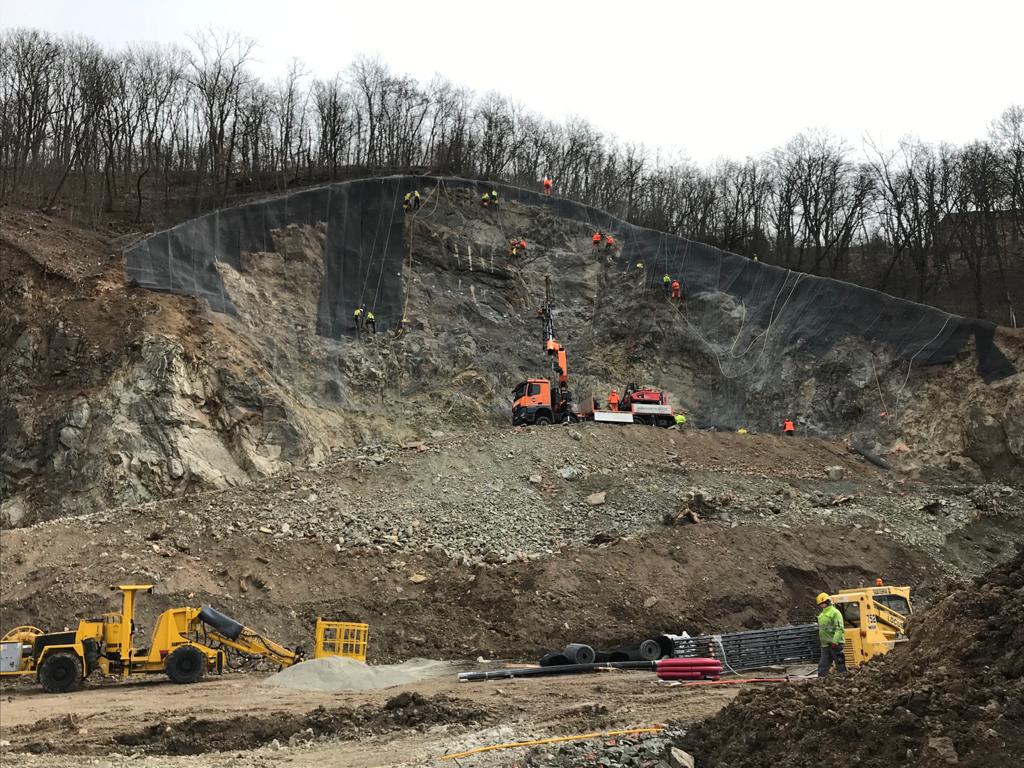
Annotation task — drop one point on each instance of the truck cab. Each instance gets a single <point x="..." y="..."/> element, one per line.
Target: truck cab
<point x="536" y="401"/>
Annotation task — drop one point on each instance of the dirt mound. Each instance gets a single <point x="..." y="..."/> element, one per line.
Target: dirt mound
<point x="199" y="735"/>
<point x="954" y="694"/>
<point x="708" y="577"/>
<point x="340" y="674"/>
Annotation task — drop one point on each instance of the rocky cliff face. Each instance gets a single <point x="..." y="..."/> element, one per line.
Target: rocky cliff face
<point x="116" y="395"/>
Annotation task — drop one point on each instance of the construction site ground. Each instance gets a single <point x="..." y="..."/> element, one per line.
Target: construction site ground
<point x="249" y="463"/>
<point x="551" y="567"/>
<point x="116" y="724"/>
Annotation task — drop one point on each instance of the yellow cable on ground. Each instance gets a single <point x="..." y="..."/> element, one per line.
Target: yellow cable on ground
<point x="553" y="740"/>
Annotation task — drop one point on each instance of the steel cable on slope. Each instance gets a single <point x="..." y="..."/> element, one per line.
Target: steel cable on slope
<point x="384" y="253"/>
<point x="910" y="365"/>
<point x="373" y="247"/>
<point x="408" y="271"/>
<point x="763" y="334"/>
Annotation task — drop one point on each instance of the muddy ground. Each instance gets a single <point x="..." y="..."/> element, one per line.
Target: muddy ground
<point x="234" y="720"/>
<point x="513" y="572"/>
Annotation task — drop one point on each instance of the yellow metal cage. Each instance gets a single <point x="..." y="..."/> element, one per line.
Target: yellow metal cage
<point x="341" y="638"/>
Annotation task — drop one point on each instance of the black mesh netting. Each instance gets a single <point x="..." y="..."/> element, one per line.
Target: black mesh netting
<point x="365" y="252"/>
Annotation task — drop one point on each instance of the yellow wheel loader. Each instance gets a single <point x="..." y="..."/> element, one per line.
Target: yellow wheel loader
<point x="875" y="619"/>
<point x="186" y="644"/>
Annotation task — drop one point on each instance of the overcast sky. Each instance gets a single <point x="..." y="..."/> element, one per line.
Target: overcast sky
<point x="707" y="79"/>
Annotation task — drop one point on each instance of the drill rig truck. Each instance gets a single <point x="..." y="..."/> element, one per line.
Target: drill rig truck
<point x="186" y="644"/>
<point x="549" y="401"/>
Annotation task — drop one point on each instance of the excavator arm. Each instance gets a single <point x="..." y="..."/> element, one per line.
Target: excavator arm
<point x="560" y="359"/>
<point x="250" y="643"/>
<point x="236" y="636"/>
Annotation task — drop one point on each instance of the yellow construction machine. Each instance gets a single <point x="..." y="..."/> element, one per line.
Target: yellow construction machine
<point x="875" y="618"/>
<point x="186" y="643"/>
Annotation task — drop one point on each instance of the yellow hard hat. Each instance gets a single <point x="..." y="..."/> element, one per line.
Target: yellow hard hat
<point x="822" y="598"/>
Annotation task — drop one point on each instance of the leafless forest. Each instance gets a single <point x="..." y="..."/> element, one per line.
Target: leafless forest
<point x="150" y="134"/>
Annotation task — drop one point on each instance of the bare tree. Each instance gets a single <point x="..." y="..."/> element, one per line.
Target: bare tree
<point x="217" y="72"/>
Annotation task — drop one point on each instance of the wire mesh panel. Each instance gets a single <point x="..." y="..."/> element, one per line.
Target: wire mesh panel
<point x="773" y="311"/>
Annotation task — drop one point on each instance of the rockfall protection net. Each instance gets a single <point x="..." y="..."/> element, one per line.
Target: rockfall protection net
<point x="364" y="258"/>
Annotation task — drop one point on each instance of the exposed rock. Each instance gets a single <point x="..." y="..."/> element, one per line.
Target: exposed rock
<point x="943" y="749"/>
<point x="568" y="473"/>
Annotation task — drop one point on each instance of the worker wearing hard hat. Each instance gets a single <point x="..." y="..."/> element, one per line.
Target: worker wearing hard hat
<point x="831" y="636"/>
<point x="613" y="401"/>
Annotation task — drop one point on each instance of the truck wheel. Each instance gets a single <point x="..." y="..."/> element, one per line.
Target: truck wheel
<point x="60" y="672"/>
<point x="185" y="664"/>
<point x="542" y="421"/>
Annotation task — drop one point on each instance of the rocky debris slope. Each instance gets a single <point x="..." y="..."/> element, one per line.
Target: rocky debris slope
<point x="952" y="695"/>
<point x="696" y="578"/>
<point x="118" y="395"/>
<point x="644" y="750"/>
<point x="500" y="496"/>
<point x="122" y="396"/>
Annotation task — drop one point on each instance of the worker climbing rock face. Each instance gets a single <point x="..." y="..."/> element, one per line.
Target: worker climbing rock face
<point x="831" y="636"/>
<point x="407" y="201"/>
<point x="371" y="322"/>
<point x="609" y="242"/>
<point x="596" y="240"/>
<point x="357" y="317"/>
<point x="547" y="186"/>
<point x="666" y="281"/>
<point x="676" y="290"/>
<point x="788" y="427"/>
<point x="486" y="199"/>
<point x="494" y="198"/>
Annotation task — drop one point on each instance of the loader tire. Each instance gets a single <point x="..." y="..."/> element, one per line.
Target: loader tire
<point x="185" y="665"/>
<point x="542" y="421"/>
<point x="61" y="672"/>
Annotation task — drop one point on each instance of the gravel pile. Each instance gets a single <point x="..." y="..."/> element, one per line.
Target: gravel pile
<point x="337" y="673"/>
<point x="510" y="495"/>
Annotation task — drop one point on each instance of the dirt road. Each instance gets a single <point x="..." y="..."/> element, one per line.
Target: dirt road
<point x="232" y="720"/>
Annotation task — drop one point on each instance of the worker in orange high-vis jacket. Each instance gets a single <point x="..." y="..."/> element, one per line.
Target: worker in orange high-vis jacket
<point x="609" y="242"/>
<point x="522" y="245"/>
<point x="613" y="401"/>
<point x="676" y="290"/>
<point x="547" y="186"/>
<point x="788" y="427"/>
<point x="596" y="241"/>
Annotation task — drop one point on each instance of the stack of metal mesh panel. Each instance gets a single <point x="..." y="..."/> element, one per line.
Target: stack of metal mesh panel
<point x="751" y="650"/>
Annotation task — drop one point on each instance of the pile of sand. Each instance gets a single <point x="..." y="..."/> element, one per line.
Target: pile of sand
<point x="337" y="673"/>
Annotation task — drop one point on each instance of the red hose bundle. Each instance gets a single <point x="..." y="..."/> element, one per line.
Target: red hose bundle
<point x="689" y="669"/>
